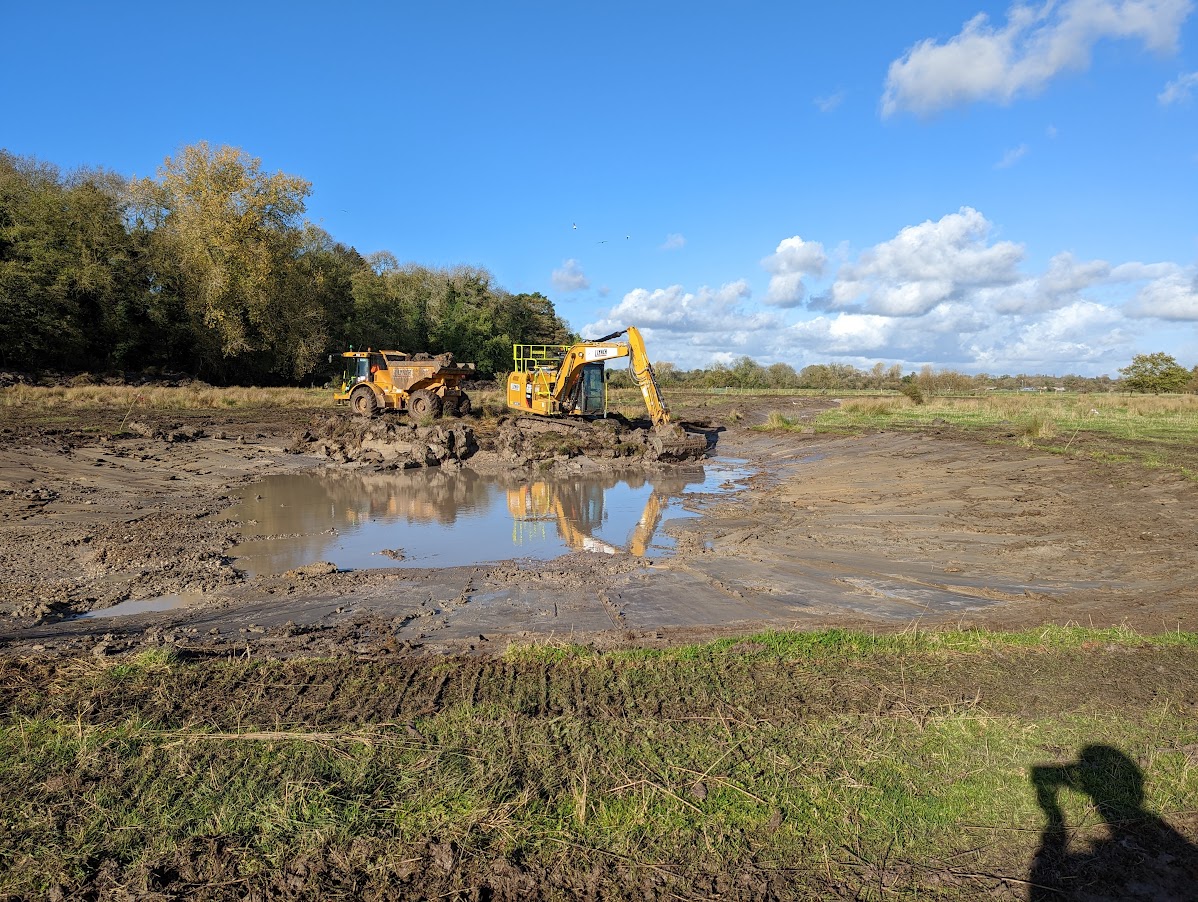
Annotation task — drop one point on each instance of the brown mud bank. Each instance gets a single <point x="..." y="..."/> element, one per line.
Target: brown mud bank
<point x="880" y="532"/>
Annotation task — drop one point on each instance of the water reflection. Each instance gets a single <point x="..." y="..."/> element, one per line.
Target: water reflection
<point x="441" y="519"/>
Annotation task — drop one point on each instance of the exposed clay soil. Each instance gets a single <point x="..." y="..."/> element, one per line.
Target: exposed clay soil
<point x="876" y="531"/>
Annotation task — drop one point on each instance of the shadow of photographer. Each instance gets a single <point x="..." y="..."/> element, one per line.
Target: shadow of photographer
<point x="1136" y="856"/>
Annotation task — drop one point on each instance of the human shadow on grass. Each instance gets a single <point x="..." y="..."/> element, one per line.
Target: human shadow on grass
<point x="1137" y="855"/>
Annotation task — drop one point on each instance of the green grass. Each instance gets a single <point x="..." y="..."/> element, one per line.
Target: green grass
<point x="1158" y="432"/>
<point x="1171" y="418"/>
<point x="836" y="644"/>
<point x="841" y="758"/>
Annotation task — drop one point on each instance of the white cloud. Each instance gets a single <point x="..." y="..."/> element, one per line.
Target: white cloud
<point x="829" y="103"/>
<point x="673" y="242"/>
<point x="674" y="309"/>
<point x="792" y="259"/>
<point x="943" y="292"/>
<point x="1172" y="295"/>
<point x="1138" y="272"/>
<point x="1178" y="90"/>
<point x="1060" y="285"/>
<point x="1082" y="336"/>
<point x="926" y="265"/>
<point x="570" y="277"/>
<point x="845" y="333"/>
<point x="1037" y="43"/>
<point x="1011" y="157"/>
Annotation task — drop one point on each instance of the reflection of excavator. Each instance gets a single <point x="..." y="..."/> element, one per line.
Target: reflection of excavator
<point x="555" y="380"/>
<point x="533" y="505"/>
<point x="577" y="512"/>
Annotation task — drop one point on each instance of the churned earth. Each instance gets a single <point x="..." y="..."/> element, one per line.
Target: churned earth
<point x="876" y="531"/>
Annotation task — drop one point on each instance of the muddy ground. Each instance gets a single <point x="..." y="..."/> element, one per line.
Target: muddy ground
<point x="879" y="531"/>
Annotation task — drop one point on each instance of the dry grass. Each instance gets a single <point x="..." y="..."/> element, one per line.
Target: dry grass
<point x="1169" y="417"/>
<point x="131" y="397"/>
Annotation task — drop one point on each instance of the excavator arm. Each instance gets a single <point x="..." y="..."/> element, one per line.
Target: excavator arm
<point x="646" y="381"/>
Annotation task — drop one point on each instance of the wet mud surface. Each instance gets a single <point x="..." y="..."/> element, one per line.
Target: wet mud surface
<point x="878" y="531"/>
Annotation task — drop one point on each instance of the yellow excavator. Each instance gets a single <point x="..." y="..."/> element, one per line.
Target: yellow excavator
<point x="568" y="380"/>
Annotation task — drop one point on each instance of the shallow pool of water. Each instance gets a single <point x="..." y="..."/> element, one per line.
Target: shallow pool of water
<point x="430" y="518"/>
<point x="142" y="606"/>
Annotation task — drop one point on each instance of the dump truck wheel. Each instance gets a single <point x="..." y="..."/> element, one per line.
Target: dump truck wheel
<point x="424" y="403"/>
<point x="464" y="405"/>
<point x="364" y="402"/>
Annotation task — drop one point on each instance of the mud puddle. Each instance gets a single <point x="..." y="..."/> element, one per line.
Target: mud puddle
<point x="433" y="518"/>
<point x="143" y="606"/>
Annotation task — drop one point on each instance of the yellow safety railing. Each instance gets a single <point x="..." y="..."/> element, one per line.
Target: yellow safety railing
<point x="533" y="358"/>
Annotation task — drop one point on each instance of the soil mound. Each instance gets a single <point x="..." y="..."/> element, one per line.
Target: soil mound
<point x="533" y="440"/>
<point x="386" y="444"/>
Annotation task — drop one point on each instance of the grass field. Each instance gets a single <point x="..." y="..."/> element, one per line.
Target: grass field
<point x="874" y="766"/>
<point x="133" y="397"/>
<point x="1156" y="431"/>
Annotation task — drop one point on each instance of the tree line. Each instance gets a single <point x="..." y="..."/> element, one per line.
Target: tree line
<point x="210" y="269"/>
<point x="1152" y="373"/>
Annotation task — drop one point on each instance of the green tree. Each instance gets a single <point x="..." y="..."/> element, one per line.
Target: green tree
<point x="68" y="267"/>
<point x="228" y="234"/>
<point x="781" y="375"/>
<point x="1154" y="373"/>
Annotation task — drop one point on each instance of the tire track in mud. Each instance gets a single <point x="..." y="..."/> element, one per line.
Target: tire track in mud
<point x="328" y="695"/>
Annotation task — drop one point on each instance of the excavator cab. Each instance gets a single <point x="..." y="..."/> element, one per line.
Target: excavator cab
<point x="592" y="391"/>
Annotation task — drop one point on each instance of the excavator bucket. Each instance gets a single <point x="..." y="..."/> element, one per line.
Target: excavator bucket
<point x="675" y="444"/>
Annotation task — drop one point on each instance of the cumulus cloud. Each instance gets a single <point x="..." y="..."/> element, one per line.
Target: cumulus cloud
<point x="1065" y="276"/>
<point x="926" y="265"/>
<point x="1080" y="336"/>
<point x="845" y="333"/>
<point x="1172" y="295"/>
<point x="674" y="309"/>
<point x="944" y="291"/>
<point x="1058" y="286"/>
<point x="792" y="259"/>
<point x="1037" y="43"/>
<point x="1179" y="89"/>
<point x="570" y="277"/>
<point x="673" y="242"/>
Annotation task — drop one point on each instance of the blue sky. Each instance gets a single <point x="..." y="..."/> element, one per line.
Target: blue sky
<point x="980" y="186"/>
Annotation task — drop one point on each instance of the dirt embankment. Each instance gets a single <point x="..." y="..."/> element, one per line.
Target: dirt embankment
<point x="877" y="531"/>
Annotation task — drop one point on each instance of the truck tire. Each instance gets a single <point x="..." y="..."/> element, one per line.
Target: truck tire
<point x="424" y="403"/>
<point x="364" y="402"/>
<point x="463" y="407"/>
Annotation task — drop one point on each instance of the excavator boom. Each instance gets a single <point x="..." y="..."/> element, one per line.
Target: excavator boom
<point x="646" y="381"/>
